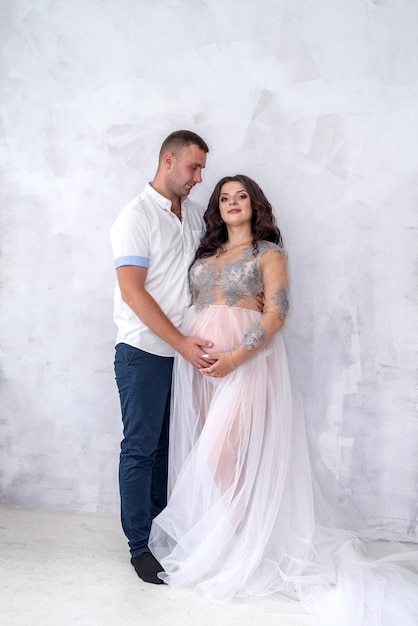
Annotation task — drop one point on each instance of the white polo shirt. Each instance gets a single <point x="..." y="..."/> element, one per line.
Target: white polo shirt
<point x="147" y="234"/>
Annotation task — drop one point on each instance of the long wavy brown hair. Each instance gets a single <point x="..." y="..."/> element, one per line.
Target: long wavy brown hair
<point x="263" y="222"/>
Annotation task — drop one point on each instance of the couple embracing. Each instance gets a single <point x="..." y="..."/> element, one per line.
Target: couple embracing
<point x="231" y="506"/>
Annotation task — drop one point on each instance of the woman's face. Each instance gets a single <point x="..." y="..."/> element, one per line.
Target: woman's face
<point x="235" y="203"/>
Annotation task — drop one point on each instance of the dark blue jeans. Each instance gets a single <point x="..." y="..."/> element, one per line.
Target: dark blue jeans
<point x="144" y="383"/>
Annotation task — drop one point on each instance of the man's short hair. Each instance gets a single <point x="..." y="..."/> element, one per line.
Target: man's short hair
<point x="180" y="139"/>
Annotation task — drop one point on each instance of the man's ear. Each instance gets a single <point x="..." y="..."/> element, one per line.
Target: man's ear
<point x="168" y="159"/>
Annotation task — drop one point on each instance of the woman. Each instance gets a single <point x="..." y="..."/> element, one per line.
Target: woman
<point x="245" y="517"/>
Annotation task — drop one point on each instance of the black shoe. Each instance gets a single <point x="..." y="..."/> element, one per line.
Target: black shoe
<point x="147" y="568"/>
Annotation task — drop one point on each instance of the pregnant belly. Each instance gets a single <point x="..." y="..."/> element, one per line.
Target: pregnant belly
<point x="223" y="325"/>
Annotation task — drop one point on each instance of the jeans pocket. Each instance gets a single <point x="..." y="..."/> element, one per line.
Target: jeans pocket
<point x="125" y="354"/>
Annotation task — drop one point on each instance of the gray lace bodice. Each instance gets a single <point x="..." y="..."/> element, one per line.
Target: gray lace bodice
<point x="229" y="281"/>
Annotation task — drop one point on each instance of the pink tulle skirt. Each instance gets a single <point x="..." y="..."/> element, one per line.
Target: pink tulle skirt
<point x="247" y="516"/>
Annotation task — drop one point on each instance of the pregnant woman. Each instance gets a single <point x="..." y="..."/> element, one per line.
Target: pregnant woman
<point x="245" y="516"/>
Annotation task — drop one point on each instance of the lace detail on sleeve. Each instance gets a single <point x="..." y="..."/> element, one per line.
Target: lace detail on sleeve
<point x="253" y="338"/>
<point x="281" y="301"/>
<point x="265" y="245"/>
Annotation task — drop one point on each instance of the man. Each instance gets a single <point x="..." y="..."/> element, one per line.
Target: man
<point x="154" y="240"/>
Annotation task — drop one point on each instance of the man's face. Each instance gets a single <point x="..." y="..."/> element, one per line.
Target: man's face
<point x="186" y="169"/>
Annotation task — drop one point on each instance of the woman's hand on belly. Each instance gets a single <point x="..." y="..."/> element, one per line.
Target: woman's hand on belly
<point x="222" y="366"/>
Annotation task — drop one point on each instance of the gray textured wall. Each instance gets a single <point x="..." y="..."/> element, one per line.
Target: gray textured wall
<point x="318" y="101"/>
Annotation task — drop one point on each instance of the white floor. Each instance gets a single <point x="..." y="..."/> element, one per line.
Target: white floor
<point x="60" y="568"/>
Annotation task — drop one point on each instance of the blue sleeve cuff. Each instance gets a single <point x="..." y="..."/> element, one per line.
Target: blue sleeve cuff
<point x="139" y="261"/>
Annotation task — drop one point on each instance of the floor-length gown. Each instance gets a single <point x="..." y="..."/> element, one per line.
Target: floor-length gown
<point x="246" y="516"/>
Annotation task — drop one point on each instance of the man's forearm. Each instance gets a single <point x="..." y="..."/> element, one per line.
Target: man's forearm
<point x="149" y="312"/>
